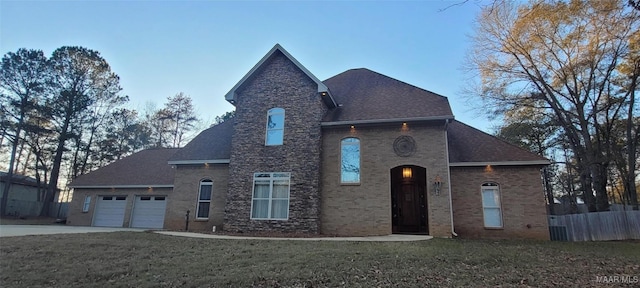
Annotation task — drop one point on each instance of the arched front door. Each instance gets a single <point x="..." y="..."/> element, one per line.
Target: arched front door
<point x="409" y="199"/>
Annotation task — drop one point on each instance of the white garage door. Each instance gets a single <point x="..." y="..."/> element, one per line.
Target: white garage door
<point x="148" y="212"/>
<point x="110" y="211"/>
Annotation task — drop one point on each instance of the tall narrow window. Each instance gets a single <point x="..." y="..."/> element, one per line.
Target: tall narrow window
<point x="87" y="202"/>
<point x="270" y="196"/>
<point x="350" y="160"/>
<point x="204" y="199"/>
<point x="491" y="205"/>
<point x="275" y="127"/>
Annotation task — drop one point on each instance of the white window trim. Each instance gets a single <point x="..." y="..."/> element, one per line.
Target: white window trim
<point x="491" y="186"/>
<point x="359" y="161"/>
<point x="274" y="111"/>
<point x="87" y="203"/>
<point x="271" y="179"/>
<point x="206" y="182"/>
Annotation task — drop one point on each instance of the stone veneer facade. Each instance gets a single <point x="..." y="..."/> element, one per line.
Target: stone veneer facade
<point x="365" y="209"/>
<point x="522" y="199"/>
<point x="278" y="83"/>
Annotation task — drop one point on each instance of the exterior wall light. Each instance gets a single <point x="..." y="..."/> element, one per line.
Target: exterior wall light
<point x="437" y="185"/>
<point x="407" y="172"/>
<point x="404" y="127"/>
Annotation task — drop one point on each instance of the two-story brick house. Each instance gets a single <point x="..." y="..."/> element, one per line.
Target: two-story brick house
<point x="357" y="154"/>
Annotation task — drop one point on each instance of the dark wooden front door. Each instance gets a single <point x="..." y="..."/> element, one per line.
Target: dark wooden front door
<point x="408" y="199"/>
<point x="408" y="208"/>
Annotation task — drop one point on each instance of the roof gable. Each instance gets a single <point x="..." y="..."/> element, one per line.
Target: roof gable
<point x="471" y="147"/>
<point x="367" y="96"/>
<point x="147" y="168"/>
<point x="322" y="88"/>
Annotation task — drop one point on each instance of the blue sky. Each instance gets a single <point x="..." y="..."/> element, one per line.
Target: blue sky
<point x="203" y="48"/>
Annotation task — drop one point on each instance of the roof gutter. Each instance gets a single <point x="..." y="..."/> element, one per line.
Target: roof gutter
<point x="500" y="163"/>
<point x="382" y="121"/>
<point x="446" y="147"/>
<point x="117" y="186"/>
<point x="188" y="162"/>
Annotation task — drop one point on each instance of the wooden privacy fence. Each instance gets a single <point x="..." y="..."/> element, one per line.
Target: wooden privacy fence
<point x="596" y="226"/>
<point x="19" y="208"/>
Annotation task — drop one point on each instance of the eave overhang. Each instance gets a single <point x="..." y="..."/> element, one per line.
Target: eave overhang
<point x="118" y="186"/>
<point x="386" y="121"/>
<point x="500" y="163"/>
<point x="323" y="90"/>
<point x="195" y="162"/>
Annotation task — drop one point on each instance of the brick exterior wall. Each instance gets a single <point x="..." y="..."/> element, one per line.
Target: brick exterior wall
<point x="76" y="217"/>
<point x="279" y="83"/>
<point x="365" y="209"/>
<point x="522" y="196"/>
<point x="185" y="197"/>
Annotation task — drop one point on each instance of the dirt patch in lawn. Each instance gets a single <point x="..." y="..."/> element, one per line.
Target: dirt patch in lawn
<point x="126" y="259"/>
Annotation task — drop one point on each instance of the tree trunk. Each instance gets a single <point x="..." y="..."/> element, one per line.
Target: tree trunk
<point x="548" y="191"/>
<point x="55" y="170"/>
<point x="599" y="182"/>
<point x="587" y="190"/>
<point x="632" y="146"/>
<point x="9" y="180"/>
<point x="12" y="159"/>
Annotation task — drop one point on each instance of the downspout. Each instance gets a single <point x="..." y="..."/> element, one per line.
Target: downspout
<point x="446" y="144"/>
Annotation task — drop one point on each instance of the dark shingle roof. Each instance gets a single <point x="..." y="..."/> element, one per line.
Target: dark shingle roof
<point x="363" y="94"/>
<point x="211" y="144"/>
<point x="467" y="144"/>
<point x="144" y="168"/>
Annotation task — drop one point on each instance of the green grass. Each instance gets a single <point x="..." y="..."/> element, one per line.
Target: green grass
<point x="128" y="259"/>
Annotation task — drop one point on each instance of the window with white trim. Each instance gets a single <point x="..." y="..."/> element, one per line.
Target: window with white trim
<point x="86" y="204"/>
<point x="275" y="127"/>
<point x="270" y="199"/>
<point x="350" y="160"/>
<point x="204" y="199"/>
<point x="491" y="207"/>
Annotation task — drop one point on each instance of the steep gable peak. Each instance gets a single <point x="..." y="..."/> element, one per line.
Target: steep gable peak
<point x="322" y="88"/>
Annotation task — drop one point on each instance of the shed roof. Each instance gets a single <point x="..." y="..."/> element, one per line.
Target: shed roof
<point x="471" y="147"/>
<point x="20" y="179"/>
<point x="147" y="168"/>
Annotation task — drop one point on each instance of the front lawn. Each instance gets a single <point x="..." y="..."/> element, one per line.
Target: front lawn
<point x="129" y="259"/>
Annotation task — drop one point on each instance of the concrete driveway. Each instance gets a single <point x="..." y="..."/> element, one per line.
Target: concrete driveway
<point x="23" y="230"/>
